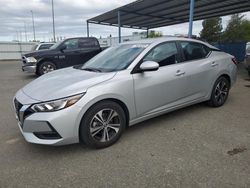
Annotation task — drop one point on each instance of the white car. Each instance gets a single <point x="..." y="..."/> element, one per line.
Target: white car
<point x="42" y="46"/>
<point x="247" y="60"/>
<point x="122" y="86"/>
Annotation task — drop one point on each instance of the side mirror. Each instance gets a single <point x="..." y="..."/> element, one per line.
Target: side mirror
<point x="63" y="47"/>
<point x="149" y="66"/>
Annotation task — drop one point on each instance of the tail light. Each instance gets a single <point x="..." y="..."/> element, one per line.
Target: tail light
<point x="234" y="60"/>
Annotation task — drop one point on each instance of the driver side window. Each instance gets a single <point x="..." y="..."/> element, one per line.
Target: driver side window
<point x="71" y="44"/>
<point x="164" y="54"/>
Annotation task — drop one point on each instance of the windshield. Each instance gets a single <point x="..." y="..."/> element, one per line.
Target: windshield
<point x="114" y="58"/>
<point x="34" y="47"/>
<point x="56" y="45"/>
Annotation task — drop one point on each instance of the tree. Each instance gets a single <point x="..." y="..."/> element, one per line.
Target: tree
<point x="246" y="30"/>
<point x="154" y="34"/>
<point x="212" y="29"/>
<point x="238" y="29"/>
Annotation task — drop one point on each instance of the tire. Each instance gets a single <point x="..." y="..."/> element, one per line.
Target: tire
<point x="96" y="130"/>
<point x="220" y="92"/>
<point x="248" y="73"/>
<point x="45" y="67"/>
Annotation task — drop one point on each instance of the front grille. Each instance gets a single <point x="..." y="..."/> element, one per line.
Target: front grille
<point x="22" y="111"/>
<point x="28" y="112"/>
<point x="18" y="107"/>
<point x="23" y="60"/>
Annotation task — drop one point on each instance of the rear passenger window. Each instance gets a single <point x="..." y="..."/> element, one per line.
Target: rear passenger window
<point x="164" y="54"/>
<point x="83" y="43"/>
<point x="193" y="50"/>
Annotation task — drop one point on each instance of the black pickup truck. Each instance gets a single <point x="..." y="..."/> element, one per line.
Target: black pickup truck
<point x="69" y="52"/>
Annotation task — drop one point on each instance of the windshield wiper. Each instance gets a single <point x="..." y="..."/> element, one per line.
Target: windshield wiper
<point x="92" y="69"/>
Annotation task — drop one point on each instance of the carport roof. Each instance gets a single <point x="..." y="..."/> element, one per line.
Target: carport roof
<point x="147" y="14"/>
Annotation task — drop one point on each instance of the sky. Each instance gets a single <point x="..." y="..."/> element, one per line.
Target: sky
<point x="70" y="19"/>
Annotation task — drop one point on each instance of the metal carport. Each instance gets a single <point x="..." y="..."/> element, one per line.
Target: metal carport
<point x="148" y="14"/>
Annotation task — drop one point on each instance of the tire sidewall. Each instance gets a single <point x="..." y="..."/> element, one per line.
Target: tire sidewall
<point x="84" y="131"/>
<point x="213" y="101"/>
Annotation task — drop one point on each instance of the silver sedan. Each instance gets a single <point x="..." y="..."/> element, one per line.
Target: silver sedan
<point x="123" y="85"/>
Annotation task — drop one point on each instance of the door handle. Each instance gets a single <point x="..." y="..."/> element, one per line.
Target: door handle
<point x="179" y="73"/>
<point x="214" y="64"/>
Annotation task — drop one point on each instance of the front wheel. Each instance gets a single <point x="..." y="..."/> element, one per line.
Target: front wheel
<point x="45" y="67"/>
<point x="220" y="92"/>
<point x="102" y="125"/>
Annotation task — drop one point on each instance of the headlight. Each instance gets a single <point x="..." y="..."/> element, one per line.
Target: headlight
<point x="56" y="104"/>
<point x="31" y="60"/>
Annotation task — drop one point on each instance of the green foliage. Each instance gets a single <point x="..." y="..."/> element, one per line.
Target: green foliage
<point x="246" y="30"/>
<point x="238" y="29"/>
<point x="212" y="29"/>
<point x="154" y="34"/>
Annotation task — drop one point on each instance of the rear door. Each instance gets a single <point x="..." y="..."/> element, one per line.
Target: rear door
<point x="200" y="70"/>
<point x="78" y="51"/>
<point x="88" y="48"/>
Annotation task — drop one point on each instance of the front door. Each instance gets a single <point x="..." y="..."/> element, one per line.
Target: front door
<point x="164" y="88"/>
<point x="71" y="53"/>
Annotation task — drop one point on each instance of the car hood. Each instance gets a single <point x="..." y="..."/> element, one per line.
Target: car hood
<point x="39" y="53"/>
<point x="63" y="83"/>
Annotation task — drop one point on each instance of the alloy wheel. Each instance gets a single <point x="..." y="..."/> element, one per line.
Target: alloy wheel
<point x="47" y="68"/>
<point x="105" y="125"/>
<point x="221" y="92"/>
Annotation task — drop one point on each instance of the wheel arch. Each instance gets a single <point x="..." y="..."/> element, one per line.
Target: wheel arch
<point x="118" y="101"/>
<point x="227" y="77"/>
<point x="124" y="107"/>
<point x="221" y="74"/>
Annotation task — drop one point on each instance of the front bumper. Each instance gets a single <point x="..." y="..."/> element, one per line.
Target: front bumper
<point x="29" y="68"/>
<point x="48" y="128"/>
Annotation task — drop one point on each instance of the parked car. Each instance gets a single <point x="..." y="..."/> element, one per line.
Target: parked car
<point x="66" y="53"/>
<point x="122" y="86"/>
<point x="42" y="46"/>
<point x="247" y="60"/>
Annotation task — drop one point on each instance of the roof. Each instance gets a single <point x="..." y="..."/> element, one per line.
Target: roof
<point x="147" y="14"/>
<point x="160" y="39"/>
<point x="164" y="39"/>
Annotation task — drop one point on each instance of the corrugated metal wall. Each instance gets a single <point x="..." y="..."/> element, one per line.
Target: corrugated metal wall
<point x="237" y="49"/>
<point x="13" y="50"/>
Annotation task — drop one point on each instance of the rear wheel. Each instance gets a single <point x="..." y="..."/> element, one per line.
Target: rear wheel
<point x="102" y="124"/>
<point x="45" y="67"/>
<point x="249" y="73"/>
<point x="220" y="92"/>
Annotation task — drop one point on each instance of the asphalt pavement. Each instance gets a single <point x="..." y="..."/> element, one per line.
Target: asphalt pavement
<point x="197" y="146"/>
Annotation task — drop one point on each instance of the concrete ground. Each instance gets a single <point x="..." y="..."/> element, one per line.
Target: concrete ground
<point x="194" y="147"/>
